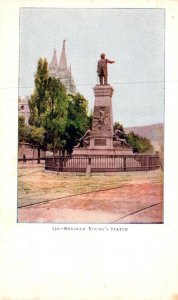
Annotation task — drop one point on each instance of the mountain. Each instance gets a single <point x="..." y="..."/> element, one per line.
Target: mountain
<point x="154" y="132"/>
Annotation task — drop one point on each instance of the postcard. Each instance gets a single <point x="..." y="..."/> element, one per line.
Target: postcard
<point x="109" y="120"/>
<point x="89" y="207"/>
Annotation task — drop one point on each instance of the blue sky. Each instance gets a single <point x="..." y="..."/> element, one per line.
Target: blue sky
<point x="134" y="38"/>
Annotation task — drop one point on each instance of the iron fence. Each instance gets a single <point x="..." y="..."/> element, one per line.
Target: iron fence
<point x="97" y="164"/>
<point x="30" y="159"/>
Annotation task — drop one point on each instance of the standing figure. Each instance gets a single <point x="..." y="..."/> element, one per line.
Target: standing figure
<point x="102" y="69"/>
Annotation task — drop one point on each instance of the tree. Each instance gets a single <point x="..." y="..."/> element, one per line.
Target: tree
<point x="78" y="120"/>
<point x="60" y="118"/>
<point x="38" y="101"/>
<point x="138" y="143"/>
<point x="90" y="119"/>
<point x="23" y="130"/>
<point x="36" y="139"/>
<point x="32" y="135"/>
<point x="56" y="114"/>
<point x="38" y="104"/>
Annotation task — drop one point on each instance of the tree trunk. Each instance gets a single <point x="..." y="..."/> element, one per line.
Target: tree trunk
<point x="33" y="153"/>
<point x="38" y="161"/>
<point x="60" y="154"/>
<point x="53" y="145"/>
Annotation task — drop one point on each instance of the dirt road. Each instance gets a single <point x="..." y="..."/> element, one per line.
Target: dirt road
<point x="134" y="200"/>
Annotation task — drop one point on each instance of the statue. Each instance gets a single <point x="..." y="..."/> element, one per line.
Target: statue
<point x="117" y="140"/>
<point x="84" y="141"/>
<point x="102" y="69"/>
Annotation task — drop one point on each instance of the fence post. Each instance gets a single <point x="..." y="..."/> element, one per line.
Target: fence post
<point x="125" y="167"/>
<point x="45" y="163"/>
<point x="160" y="162"/>
<point x="147" y="163"/>
<point x="88" y="169"/>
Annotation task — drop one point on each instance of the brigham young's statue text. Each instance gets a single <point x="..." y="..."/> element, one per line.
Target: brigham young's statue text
<point x="102" y="69"/>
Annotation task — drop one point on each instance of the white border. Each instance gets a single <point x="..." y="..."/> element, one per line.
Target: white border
<point x="36" y="262"/>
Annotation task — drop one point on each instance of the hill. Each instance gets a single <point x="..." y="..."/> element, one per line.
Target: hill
<point x="154" y="132"/>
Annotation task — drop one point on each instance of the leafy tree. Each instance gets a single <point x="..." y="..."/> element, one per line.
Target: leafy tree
<point x="38" y="100"/>
<point x="23" y="130"/>
<point x="57" y="120"/>
<point x="90" y="119"/>
<point x="38" y="104"/>
<point x="78" y="121"/>
<point x="138" y="143"/>
<point x="32" y="135"/>
<point x="56" y="114"/>
<point x="36" y="139"/>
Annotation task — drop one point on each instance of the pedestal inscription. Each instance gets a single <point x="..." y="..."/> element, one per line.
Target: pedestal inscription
<point x="100" y="142"/>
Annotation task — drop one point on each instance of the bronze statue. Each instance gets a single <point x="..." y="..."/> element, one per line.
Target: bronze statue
<point x="102" y="69"/>
<point x="84" y="141"/>
<point x="117" y="140"/>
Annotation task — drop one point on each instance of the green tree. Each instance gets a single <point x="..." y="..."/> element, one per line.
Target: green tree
<point x="90" y="119"/>
<point x="38" y="100"/>
<point x="23" y="130"/>
<point x="32" y="135"/>
<point x="57" y="119"/>
<point x="138" y="143"/>
<point x="56" y="115"/>
<point x="36" y="139"/>
<point x="78" y="120"/>
<point x="38" y="104"/>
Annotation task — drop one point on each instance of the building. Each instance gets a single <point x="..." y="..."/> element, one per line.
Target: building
<point x="62" y="71"/>
<point x="23" y="108"/>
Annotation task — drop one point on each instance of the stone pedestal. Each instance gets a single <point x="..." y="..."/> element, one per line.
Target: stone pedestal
<point x="101" y="138"/>
<point x="104" y="152"/>
<point x="102" y="127"/>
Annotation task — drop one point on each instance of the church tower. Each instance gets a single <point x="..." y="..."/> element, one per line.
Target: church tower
<point x="53" y="66"/>
<point x="62" y="71"/>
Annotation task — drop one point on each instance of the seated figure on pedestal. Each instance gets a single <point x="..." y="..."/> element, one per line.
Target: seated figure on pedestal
<point x="102" y="69"/>
<point x="119" y="141"/>
<point x="84" y="141"/>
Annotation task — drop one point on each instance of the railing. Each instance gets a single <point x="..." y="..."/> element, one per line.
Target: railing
<point x="30" y="159"/>
<point x="97" y="164"/>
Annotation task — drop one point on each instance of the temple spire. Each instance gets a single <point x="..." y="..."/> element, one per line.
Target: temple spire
<point x="54" y="63"/>
<point x="63" y="60"/>
<point x="70" y="71"/>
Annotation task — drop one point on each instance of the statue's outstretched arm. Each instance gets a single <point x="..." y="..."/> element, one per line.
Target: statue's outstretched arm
<point x="110" y="61"/>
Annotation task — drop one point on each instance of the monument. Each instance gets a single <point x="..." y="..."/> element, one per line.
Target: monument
<point x="101" y="149"/>
<point x="101" y="140"/>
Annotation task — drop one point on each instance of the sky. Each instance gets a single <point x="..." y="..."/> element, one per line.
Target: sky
<point x="134" y="38"/>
